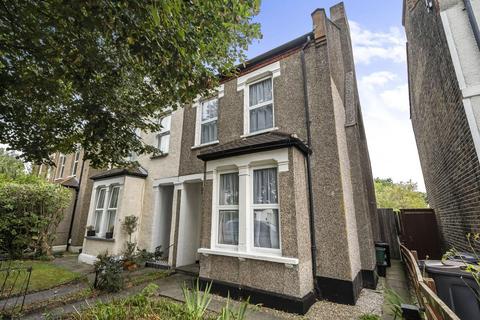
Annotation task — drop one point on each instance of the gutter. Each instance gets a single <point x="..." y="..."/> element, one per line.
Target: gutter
<point x="309" y="171"/>
<point x="473" y="21"/>
<point x="77" y="191"/>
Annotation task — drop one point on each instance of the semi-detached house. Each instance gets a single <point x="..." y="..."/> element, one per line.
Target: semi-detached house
<point x="265" y="186"/>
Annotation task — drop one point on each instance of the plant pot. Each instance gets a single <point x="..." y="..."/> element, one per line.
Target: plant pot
<point x="109" y="235"/>
<point x="129" y="265"/>
<point x="382" y="271"/>
<point x="91" y="233"/>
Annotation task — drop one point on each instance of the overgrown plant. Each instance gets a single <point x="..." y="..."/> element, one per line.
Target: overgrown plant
<point x="228" y="313"/>
<point x="196" y="301"/>
<point x="369" y="316"/>
<point x="394" y="303"/>
<point x="108" y="271"/>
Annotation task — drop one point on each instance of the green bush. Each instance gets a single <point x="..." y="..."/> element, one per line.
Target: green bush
<point x="109" y="273"/>
<point x="30" y="211"/>
<point x="369" y="316"/>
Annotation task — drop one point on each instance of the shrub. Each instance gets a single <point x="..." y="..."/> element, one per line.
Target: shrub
<point x="30" y="211"/>
<point x="109" y="273"/>
<point x="196" y="301"/>
<point x="369" y="316"/>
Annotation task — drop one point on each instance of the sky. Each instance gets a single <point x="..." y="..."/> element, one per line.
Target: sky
<point x="378" y="41"/>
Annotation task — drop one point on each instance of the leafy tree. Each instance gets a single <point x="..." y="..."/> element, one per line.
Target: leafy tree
<point x="90" y="73"/>
<point x="10" y="167"/>
<point x="399" y="195"/>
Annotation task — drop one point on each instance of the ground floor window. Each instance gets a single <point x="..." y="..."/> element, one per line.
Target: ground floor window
<point x="260" y="210"/>
<point x="105" y="209"/>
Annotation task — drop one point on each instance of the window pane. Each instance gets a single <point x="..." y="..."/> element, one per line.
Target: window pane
<point x="164" y="143"/>
<point x="166" y="123"/>
<point x="261" y="118"/>
<point x="265" y="186"/>
<point x="114" y="197"/>
<point x="228" y="189"/>
<point x="228" y="227"/>
<point x="209" y="109"/>
<point x="111" y="219"/>
<point x="209" y="132"/>
<point x="98" y="220"/>
<point x="266" y="228"/>
<point x="101" y="198"/>
<point x="260" y="92"/>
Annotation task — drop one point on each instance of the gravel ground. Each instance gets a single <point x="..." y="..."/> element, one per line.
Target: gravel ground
<point x="370" y="301"/>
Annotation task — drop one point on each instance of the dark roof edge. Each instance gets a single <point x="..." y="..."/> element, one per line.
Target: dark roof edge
<point x="124" y="172"/>
<point x="289" y="142"/>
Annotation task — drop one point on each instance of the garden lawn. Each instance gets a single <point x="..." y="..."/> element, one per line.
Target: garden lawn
<point x="45" y="275"/>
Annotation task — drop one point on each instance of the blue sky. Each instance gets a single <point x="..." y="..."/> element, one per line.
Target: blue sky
<point x="379" y="50"/>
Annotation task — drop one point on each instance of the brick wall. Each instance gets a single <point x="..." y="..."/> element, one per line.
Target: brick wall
<point x="447" y="154"/>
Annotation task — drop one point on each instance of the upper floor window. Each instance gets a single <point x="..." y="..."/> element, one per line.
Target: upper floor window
<point x="76" y="160"/>
<point x="61" y="165"/>
<point x="260" y="105"/>
<point x="208" y="121"/>
<point x="163" y="137"/>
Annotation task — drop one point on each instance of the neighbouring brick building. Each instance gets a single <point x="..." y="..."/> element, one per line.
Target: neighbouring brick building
<point x="444" y="82"/>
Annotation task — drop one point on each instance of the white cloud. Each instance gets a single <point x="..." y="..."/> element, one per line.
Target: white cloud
<point x="391" y="142"/>
<point x="369" y="45"/>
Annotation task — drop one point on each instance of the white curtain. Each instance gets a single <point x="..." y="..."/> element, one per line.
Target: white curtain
<point x="229" y="189"/>
<point x="261" y="92"/>
<point x="266" y="228"/>
<point x="228" y="227"/>
<point x="261" y="118"/>
<point x="265" y="186"/>
<point x="209" y="131"/>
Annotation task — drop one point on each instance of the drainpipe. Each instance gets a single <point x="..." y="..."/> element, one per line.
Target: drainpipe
<point x="309" y="170"/>
<point x="77" y="191"/>
<point x="473" y="21"/>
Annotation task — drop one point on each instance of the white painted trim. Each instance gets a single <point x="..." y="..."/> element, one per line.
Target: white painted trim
<point x="87" y="258"/>
<point x="277" y="156"/>
<point x="250" y="255"/>
<point x="453" y="50"/>
<point x="74" y="249"/>
<point x="258" y="132"/>
<point x="471" y="91"/>
<point x="205" y="144"/>
<point x="60" y="248"/>
<point x="272" y="69"/>
<point x="196" y="177"/>
<point x="472" y="123"/>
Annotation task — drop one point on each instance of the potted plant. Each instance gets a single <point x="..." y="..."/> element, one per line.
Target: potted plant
<point x="109" y="233"/>
<point x="91" y="231"/>
<point x="129" y="225"/>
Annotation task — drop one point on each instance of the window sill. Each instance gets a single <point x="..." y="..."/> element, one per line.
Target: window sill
<point x="163" y="155"/>
<point x="258" y="132"/>
<point x="205" y="145"/>
<point x="99" y="239"/>
<point x="255" y="256"/>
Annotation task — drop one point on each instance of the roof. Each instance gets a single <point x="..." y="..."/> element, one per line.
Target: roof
<point x="257" y="143"/>
<point x="273" y="54"/>
<point x="115" y="172"/>
<point x="70" y="182"/>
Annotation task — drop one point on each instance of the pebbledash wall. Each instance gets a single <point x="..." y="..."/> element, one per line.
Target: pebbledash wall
<point x="444" y="79"/>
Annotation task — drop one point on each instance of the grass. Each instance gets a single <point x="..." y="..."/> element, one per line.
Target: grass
<point x="45" y="275"/>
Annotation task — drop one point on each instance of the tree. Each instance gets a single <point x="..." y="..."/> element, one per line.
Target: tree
<point x="399" y="195"/>
<point x="91" y="73"/>
<point x="10" y="167"/>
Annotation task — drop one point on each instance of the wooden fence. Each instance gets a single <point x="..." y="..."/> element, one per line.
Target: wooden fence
<point x="425" y="291"/>
<point x="388" y="230"/>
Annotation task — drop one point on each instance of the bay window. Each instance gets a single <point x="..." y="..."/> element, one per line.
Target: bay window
<point x="265" y="209"/>
<point x="106" y="206"/>
<point x="228" y="209"/>
<point x="208" y="121"/>
<point x="260" y="105"/>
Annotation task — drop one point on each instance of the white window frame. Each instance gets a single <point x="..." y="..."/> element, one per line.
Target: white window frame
<point x="253" y="206"/>
<point x="61" y="165"/>
<point x="198" y="104"/>
<point x="98" y="211"/>
<point x="76" y="160"/>
<point x="163" y="133"/>
<point x="110" y="209"/>
<point x="262" y="104"/>
<point x="219" y="207"/>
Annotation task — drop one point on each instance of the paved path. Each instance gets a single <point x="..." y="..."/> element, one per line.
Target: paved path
<point x="397" y="281"/>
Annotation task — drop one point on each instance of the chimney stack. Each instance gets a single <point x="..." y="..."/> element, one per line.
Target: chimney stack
<point x="319" y="24"/>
